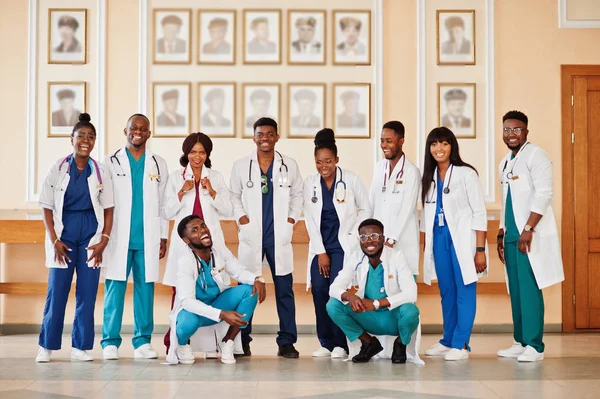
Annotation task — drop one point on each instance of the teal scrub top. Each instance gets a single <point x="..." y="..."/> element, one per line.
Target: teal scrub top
<point x="136" y="235"/>
<point x="207" y="289"/>
<point x="375" y="288"/>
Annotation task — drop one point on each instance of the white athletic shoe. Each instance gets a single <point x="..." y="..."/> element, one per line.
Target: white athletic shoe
<point x="227" y="352"/>
<point x="111" y="352"/>
<point x="145" y="352"/>
<point x="185" y="354"/>
<point x="43" y="355"/>
<point x="437" y="350"/>
<point x="531" y="355"/>
<point x="456" y="354"/>
<point x="321" y="352"/>
<point x="514" y="351"/>
<point x="81" y="356"/>
<point x="338" y="353"/>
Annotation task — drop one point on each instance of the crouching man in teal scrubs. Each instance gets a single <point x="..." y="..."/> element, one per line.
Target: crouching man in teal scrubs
<point x="381" y="300"/>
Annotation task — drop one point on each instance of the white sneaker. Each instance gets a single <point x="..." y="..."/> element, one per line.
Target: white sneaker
<point x="111" y="352"/>
<point x="145" y="352"/>
<point x="514" y="351"/>
<point x="321" y="352"/>
<point x="81" y="356"/>
<point x="43" y="355"/>
<point x="456" y="354"/>
<point x="227" y="352"/>
<point x="338" y="353"/>
<point x="437" y="350"/>
<point x="531" y="355"/>
<point x="211" y="355"/>
<point x="185" y="354"/>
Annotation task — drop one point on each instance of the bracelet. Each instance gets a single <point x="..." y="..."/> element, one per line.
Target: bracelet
<point x="55" y="241"/>
<point x="480" y="249"/>
<point x="106" y="235"/>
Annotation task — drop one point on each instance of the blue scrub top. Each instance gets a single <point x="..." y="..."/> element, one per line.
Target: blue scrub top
<point x="79" y="219"/>
<point x="375" y="287"/>
<point x="207" y="289"/>
<point x="136" y="233"/>
<point x="268" y="239"/>
<point x="439" y="204"/>
<point x="330" y="223"/>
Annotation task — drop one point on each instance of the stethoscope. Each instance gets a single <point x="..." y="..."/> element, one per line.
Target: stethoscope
<point x="510" y="175"/>
<point x="399" y="176"/>
<point x="431" y="199"/>
<point x="113" y="158"/>
<point x="69" y="158"/>
<point x="282" y="179"/>
<point x="183" y="176"/>
<point x="355" y="284"/>
<point x="200" y="266"/>
<point x="314" y="199"/>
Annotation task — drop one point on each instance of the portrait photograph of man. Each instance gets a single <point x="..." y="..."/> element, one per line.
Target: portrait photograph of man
<point x="306" y="109"/>
<point x="260" y="100"/>
<point x="171" y="109"/>
<point x="172" y="31"/>
<point x="352" y="37"/>
<point x="66" y="102"/>
<point x="457" y="108"/>
<point x="352" y="110"/>
<point x="262" y="37"/>
<point x="307" y="37"/>
<point x="67" y="40"/>
<point x="455" y="38"/>
<point x="217" y="109"/>
<point x="216" y="37"/>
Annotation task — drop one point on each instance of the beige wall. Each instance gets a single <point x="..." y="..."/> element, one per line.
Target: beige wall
<point x="583" y="10"/>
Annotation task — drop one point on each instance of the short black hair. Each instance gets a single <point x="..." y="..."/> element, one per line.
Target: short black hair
<point x="396" y="126"/>
<point x="140" y="115"/>
<point x="371" y="222"/>
<point x="518" y="115"/>
<point x="264" y="121"/>
<point x="184" y="222"/>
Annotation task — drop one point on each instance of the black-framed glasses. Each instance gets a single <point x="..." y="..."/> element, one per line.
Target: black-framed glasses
<point x="264" y="187"/>
<point x="515" y="130"/>
<point x="372" y="237"/>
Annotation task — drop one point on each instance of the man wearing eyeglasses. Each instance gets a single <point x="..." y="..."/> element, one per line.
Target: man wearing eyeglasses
<point x="266" y="191"/>
<point x="528" y="242"/>
<point x="381" y="300"/>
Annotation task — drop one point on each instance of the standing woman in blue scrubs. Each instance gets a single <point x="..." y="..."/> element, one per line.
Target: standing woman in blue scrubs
<point x="77" y="202"/>
<point x="454" y="221"/>
<point x="335" y="203"/>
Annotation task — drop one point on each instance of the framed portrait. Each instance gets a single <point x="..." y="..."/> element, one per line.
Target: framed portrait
<point x="306" y="109"/>
<point x="66" y="100"/>
<point x="217" y="108"/>
<point x="455" y="37"/>
<point x="262" y="36"/>
<point x="259" y="100"/>
<point x="172" y="36"/>
<point x="67" y="36"/>
<point x="306" y="37"/>
<point x="352" y="37"/>
<point x="456" y="108"/>
<point x="352" y="110"/>
<point x="216" y="37"/>
<point x="171" y="109"/>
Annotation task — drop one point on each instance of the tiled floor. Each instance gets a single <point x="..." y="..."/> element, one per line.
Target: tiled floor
<point x="571" y="370"/>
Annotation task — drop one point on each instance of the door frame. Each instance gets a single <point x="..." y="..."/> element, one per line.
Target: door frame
<point x="568" y="73"/>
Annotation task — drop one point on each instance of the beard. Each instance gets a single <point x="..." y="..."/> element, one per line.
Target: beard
<point x="376" y="254"/>
<point x="200" y="245"/>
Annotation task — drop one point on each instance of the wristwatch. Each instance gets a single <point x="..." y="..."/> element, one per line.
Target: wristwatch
<point x="529" y="228"/>
<point x="480" y="249"/>
<point x="260" y="280"/>
<point x="391" y="241"/>
<point x="376" y="304"/>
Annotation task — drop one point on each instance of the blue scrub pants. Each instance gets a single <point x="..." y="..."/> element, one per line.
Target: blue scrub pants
<point x="143" y="305"/>
<point x="59" y="286"/>
<point x="286" y="308"/>
<point x="399" y="322"/>
<point x="329" y="334"/>
<point x="458" y="300"/>
<point x="238" y="299"/>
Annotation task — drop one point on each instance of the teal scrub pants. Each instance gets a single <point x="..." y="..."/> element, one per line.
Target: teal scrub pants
<point x="399" y="322"/>
<point x="143" y="304"/>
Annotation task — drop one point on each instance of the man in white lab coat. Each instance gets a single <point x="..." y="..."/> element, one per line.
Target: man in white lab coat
<point x="266" y="190"/>
<point x="395" y="190"/>
<point x="138" y="239"/>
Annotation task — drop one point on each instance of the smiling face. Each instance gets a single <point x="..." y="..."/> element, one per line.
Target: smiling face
<point x="370" y="247"/>
<point x="513" y="140"/>
<point x="197" y="156"/>
<point x="391" y="144"/>
<point x="440" y="151"/>
<point x="197" y="234"/>
<point x="83" y="141"/>
<point x="137" y="131"/>
<point x="265" y="138"/>
<point x="326" y="163"/>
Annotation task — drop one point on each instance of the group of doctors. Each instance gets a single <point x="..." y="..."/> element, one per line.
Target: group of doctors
<point x="363" y="254"/>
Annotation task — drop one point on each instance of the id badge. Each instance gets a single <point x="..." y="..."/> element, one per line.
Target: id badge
<point x="440" y="219"/>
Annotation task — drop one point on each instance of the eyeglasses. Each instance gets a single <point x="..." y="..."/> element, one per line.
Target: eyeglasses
<point x="264" y="187"/>
<point x="372" y="237"/>
<point x="515" y="130"/>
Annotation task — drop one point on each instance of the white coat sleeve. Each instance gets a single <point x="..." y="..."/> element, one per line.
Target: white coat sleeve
<point x="476" y="202"/>
<point x="540" y="167"/>
<point x="406" y="282"/>
<point x="342" y="281"/>
<point x="422" y="220"/>
<point x="363" y="203"/>
<point x="172" y="205"/>
<point x="413" y="184"/>
<point x="186" y="290"/>
<point x="162" y="188"/>
<point x="314" y="231"/>
<point x="236" y="188"/>
<point x="47" y="192"/>
<point x="222" y="201"/>
<point x="107" y="199"/>
<point x="295" y="193"/>
<point x="502" y="198"/>
<point x="235" y="268"/>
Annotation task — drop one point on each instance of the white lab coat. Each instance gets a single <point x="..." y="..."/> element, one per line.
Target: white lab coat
<point x="398" y="210"/>
<point x="351" y="213"/>
<point x="464" y="209"/>
<point x="52" y="196"/>
<point x="532" y="192"/>
<point x="400" y="286"/>
<point x="155" y="226"/>
<point x="287" y="203"/>
<point x="174" y="209"/>
<point x="185" y="297"/>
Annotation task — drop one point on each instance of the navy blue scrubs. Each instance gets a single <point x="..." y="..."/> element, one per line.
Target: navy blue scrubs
<point x="329" y="334"/>
<point x="80" y="225"/>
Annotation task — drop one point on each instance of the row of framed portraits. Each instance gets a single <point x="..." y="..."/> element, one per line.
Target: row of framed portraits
<point x="262" y="41"/>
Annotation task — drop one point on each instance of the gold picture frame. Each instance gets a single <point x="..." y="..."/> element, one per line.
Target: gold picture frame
<point x="362" y="48"/>
<point x="67" y="17"/>
<point x="273" y="105"/>
<point x="59" y="124"/>
<point x="162" y="124"/>
<point x="258" y="58"/>
<point x="209" y="125"/>
<point x="176" y="57"/>
<point x="352" y="126"/>
<point x="229" y="15"/>
<point x="306" y="126"/>
<point x="320" y="30"/>
<point x="463" y="126"/>
<point x="446" y="52"/>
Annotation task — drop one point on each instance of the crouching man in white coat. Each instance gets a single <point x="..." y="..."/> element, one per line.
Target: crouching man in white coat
<point x="381" y="300"/>
<point x="203" y="298"/>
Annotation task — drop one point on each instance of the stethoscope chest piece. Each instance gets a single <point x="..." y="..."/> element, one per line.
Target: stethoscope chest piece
<point x="446" y="190"/>
<point x="314" y="200"/>
<point x="249" y="184"/>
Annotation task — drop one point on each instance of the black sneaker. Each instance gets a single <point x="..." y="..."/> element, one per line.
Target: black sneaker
<point x="246" y="349"/>
<point x="288" y="351"/>
<point x="367" y="351"/>
<point x="399" y="353"/>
